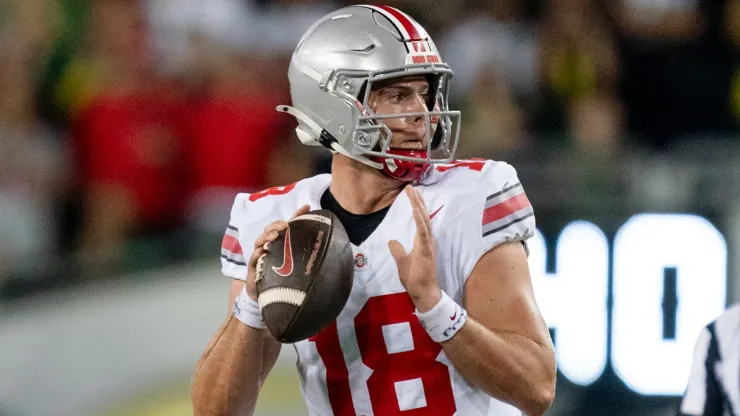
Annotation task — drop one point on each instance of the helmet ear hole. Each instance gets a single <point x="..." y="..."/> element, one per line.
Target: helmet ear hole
<point x="361" y="93"/>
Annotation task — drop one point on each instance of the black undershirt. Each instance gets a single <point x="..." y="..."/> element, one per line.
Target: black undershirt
<point x="358" y="226"/>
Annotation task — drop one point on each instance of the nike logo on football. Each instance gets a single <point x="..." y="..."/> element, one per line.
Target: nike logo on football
<point x="287" y="268"/>
<point x="452" y="318"/>
<point x="435" y="212"/>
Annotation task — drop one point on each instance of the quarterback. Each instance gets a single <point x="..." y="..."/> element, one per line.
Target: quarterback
<point x="442" y="318"/>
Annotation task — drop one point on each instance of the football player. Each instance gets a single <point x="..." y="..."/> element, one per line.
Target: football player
<point x="442" y="319"/>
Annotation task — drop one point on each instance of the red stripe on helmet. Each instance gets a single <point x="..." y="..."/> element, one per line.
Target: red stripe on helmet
<point x="405" y="21"/>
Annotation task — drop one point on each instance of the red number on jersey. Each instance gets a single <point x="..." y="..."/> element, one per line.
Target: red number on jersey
<point x="417" y="365"/>
<point x="473" y="164"/>
<point x="278" y="190"/>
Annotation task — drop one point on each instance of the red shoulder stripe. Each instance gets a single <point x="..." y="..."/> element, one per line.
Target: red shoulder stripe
<point x="505" y="208"/>
<point x="231" y="244"/>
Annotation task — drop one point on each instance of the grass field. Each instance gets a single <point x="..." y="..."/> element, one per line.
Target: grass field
<point x="280" y="396"/>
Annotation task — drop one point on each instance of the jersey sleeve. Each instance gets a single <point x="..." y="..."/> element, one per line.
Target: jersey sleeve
<point x="249" y="216"/>
<point x="498" y="212"/>
<point x="233" y="263"/>
<point x="248" y="219"/>
<point x="233" y="258"/>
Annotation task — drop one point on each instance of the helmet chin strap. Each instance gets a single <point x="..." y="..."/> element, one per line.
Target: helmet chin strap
<point x="310" y="133"/>
<point x="403" y="170"/>
<point x="316" y="136"/>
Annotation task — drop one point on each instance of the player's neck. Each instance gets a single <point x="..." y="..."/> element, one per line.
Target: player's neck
<point x="361" y="189"/>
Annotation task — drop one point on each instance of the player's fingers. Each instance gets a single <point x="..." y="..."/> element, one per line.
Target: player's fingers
<point x="415" y="198"/>
<point x="418" y="203"/>
<point x="265" y="238"/>
<point x="276" y="226"/>
<point x="255" y="256"/>
<point x="426" y="219"/>
<point x="397" y="250"/>
<point x="302" y="210"/>
<point x="422" y="231"/>
<point x="411" y="194"/>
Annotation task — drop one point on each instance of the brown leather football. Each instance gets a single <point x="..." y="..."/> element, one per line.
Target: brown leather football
<point x="305" y="277"/>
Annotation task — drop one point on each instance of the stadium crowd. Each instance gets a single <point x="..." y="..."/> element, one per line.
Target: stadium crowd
<point x="127" y="127"/>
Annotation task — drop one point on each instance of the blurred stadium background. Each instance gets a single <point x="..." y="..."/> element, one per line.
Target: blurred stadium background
<point x="127" y="127"/>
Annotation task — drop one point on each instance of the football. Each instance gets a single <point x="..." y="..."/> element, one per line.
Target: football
<point x="305" y="277"/>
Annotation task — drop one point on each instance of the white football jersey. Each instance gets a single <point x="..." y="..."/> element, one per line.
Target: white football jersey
<point x="376" y="359"/>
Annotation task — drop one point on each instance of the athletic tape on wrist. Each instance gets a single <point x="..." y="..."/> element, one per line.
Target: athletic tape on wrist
<point x="247" y="310"/>
<point x="444" y="320"/>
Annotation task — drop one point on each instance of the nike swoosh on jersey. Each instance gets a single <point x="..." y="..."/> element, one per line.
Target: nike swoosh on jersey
<point x="287" y="268"/>
<point x="435" y="212"/>
<point x="452" y="318"/>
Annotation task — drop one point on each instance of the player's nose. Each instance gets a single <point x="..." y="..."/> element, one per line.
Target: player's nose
<point x="416" y="124"/>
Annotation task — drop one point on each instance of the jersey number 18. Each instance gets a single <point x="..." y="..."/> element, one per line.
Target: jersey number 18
<point x="390" y="369"/>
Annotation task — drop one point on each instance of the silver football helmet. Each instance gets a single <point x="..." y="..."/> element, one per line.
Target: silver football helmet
<point x="332" y="72"/>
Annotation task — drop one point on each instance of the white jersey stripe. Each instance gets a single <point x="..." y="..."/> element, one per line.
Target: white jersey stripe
<point x="232" y="231"/>
<point x="235" y="258"/>
<point x="503" y="195"/>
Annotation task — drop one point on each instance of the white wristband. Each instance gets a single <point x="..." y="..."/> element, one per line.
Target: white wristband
<point x="444" y="320"/>
<point x="247" y="310"/>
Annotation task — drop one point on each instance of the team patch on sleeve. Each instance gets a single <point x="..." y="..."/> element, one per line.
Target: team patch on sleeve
<point x="231" y="250"/>
<point x="505" y="209"/>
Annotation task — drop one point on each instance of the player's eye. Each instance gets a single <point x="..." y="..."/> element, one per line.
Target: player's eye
<point x="397" y="98"/>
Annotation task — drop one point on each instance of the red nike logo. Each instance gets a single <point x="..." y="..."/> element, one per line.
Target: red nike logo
<point x="435" y="212"/>
<point x="452" y="318"/>
<point x="287" y="268"/>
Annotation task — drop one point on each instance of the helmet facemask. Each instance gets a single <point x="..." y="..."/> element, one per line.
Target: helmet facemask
<point x="372" y="138"/>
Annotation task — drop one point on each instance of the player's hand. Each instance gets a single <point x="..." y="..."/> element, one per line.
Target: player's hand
<point x="269" y="235"/>
<point x="418" y="269"/>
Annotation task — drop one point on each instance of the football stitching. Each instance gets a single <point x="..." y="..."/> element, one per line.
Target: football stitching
<point x="263" y="303"/>
<point x="281" y="299"/>
<point x="313" y="217"/>
<point x="260" y="268"/>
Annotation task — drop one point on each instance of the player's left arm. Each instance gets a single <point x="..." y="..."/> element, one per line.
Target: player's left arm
<point x="504" y="347"/>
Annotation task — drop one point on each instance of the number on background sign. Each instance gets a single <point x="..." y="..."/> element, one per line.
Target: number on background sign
<point x="415" y="365"/>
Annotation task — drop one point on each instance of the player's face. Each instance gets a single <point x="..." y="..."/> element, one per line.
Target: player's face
<point x="407" y="95"/>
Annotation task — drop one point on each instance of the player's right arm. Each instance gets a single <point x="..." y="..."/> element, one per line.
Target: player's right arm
<point x="238" y="359"/>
